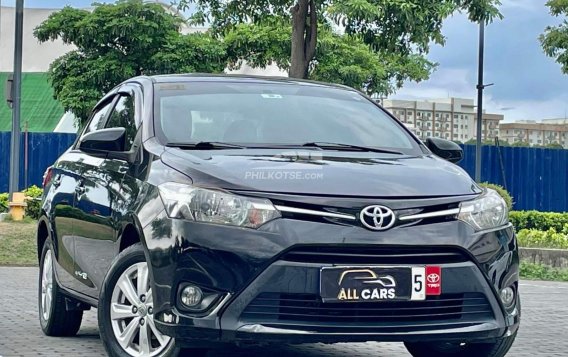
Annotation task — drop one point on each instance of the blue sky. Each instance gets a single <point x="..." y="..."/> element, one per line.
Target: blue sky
<point x="528" y="85"/>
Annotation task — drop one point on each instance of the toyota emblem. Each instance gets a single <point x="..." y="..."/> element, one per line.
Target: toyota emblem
<point x="377" y="218"/>
<point x="433" y="278"/>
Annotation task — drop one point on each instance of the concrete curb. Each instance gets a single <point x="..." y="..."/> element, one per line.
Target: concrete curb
<point x="557" y="258"/>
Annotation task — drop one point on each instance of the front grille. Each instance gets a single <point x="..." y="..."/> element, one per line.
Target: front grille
<point x="353" y="207"/>
<point x="308" y="311"/>
<point x="375" y="255"/>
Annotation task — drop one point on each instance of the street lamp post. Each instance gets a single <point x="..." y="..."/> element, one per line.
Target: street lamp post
<point x="17" y="91"/>
<point x="480" y="88"/>
<point x="479" y="102"/>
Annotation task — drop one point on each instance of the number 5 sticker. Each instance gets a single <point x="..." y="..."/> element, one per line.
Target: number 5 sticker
<point x="418" y="283"/>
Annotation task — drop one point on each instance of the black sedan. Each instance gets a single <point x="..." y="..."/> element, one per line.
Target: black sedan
<point x="196" y="210"/>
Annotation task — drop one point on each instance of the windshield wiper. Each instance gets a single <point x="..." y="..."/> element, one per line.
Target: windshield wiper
<point x="206" y="145"/>
<point x="339" y="146"/>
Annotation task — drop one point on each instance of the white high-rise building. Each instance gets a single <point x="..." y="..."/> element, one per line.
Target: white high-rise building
<point x="448" y="118"/>
<point x="532" y="132"/>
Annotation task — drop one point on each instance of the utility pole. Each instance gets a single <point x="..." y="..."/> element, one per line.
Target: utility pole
<point x="15" y="144"/>
<point x="480" y="87"/>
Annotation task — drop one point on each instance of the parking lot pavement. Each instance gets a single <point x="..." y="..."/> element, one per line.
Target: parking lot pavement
<point x="543" y="331"/>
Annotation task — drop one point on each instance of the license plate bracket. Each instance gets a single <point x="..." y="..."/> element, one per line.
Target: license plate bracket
<point x="372" y="284"/>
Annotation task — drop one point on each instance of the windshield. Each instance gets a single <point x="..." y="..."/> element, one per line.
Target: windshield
<point x="265" y="114"/>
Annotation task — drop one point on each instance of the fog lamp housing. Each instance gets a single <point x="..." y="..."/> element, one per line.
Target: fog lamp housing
<point x="191" y="296"/>
<point x="507" y="296"/>
<point x="196" y="299"/>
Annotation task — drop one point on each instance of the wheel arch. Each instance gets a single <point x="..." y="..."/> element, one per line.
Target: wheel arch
<point x="129" y="236"/>
<point x="131" y="233"/>
<point x="42" y="234"/>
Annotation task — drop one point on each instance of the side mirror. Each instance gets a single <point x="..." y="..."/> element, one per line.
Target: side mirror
<point x="447" y="150"/>
<point x="104" y="141"/>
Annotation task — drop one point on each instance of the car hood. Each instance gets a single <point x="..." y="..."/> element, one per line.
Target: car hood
<point x="314" y="172"/>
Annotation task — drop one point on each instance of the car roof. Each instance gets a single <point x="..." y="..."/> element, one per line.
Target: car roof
<point x="208" y="77"/>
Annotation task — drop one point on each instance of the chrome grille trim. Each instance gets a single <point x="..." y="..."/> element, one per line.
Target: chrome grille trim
<point x="412" y="217"/>
<point x="447" y="212"/>
<point x="314" y="213"/>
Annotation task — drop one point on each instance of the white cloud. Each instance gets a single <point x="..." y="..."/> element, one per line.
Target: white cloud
<point x="445" y="82"/>
<point x="529" y="109"/>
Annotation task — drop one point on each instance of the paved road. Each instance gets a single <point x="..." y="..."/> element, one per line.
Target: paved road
<point x="544" y="331"/>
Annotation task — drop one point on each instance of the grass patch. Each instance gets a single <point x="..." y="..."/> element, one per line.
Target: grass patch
<point x="18" y="246"/>
<point x="18" y="243"/>
<point x="533" y="271"/>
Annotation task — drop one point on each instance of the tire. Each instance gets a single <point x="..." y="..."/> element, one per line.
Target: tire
<point x="498" y="348"/>
<point x="54" y="318"/>
<point x="132" y="331"/>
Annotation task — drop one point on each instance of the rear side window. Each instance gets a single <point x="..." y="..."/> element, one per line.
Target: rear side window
<point x="123" y="117"/>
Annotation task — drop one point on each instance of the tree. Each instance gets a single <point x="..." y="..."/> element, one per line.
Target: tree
<point x="554" y="40"/>
<point x="117" y="41"/>
<point x="338" y="58"/>
<point x="403" y="29"/>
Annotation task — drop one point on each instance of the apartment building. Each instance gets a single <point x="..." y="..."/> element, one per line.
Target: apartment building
<point x="448" y="118"/>
<point x="490" y="125"/>
<point x="545" y="132"/>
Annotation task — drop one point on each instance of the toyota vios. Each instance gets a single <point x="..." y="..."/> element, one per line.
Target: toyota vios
<point x="195" y="211"/>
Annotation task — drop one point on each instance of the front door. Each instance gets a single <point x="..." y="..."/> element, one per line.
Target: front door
<point x="96" y="238"/>
<point x="66" y="178"/>
<point x="63" y="216"/>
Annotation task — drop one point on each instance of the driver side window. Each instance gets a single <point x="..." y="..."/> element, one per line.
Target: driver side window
<point x="97" y="119"/>
<point x="123" y="116"/>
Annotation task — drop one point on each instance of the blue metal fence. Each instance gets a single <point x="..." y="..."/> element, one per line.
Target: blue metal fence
<point x="536" y="178"/>
<point x="43" y="150"/>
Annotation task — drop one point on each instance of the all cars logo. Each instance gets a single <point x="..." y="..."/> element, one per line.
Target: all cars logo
<point x="383" y="289"/>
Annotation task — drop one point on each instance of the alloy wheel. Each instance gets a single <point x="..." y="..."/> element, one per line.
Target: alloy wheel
<point x="132" y="316"/>
<point x="46" y="286"/>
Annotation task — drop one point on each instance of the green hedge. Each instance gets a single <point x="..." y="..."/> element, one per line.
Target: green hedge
<point x="3" y="202"/>
<point x="542" y="272"/>
<point x="542" y="221"/>
<point x="33" y="208"/>
<point x="532" y="238"/>
<point x="541" y="229"/>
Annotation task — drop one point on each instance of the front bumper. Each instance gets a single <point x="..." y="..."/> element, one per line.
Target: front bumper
<point x="269" y="289"/>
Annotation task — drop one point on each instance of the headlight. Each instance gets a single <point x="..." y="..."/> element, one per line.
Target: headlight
<point x="203" y="205"/>
<point x="487" y="211"/>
